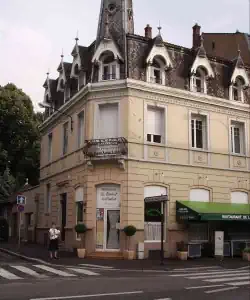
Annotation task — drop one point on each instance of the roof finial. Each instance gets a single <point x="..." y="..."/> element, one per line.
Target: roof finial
<point x="62" y="56"/>
<point x="47" y="73"/>
<point x="77" y="39"/>
<point x="159" y="27"/>
<point x="202" y="40"/>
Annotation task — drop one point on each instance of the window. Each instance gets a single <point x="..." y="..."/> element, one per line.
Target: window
<point x="239" y="197"/>
<point x="237" y="137"/>
<point x="152" y="213"/>
<point x="79" y="206"/>
<point x="80" y="134"/>
<point x="157" y="70"/>
<point x="50" y="138"/>
<point x="199" y="195"/>
<point x="238" y="94"/>
<point x="155" y="125"/>
<point x="198" y="232"/>
<point x="81" y="80"/>
<point x="65" y="137"/>
<point x="66" y="94"/>
<point x="199" y="131"/>
<point x="108" y="66"/>
<point x="108" y="120"/>
<point x="198" y="81"/>
<point x="48" y="198"/>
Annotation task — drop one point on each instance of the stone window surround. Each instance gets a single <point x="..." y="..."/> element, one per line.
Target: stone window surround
<point x="97" y="116"/>
<point x="245" y="136"/>
<point x="82" y="112"/>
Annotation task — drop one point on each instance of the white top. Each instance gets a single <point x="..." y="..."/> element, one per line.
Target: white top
<point x="54" y="233"/>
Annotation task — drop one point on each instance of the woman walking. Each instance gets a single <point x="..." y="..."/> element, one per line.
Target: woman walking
<point x="53" y="241"/>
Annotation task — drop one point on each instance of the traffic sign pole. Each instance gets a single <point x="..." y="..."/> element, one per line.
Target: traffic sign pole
<point x="19" y="231"/>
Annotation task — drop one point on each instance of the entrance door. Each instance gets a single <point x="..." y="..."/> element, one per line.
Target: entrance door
<point x="107" y="229"/>
<point x="63" y="215"/>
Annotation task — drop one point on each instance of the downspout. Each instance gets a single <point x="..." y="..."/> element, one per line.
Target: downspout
<point x="125" y="29"/>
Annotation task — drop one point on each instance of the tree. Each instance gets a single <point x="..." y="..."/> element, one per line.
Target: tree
<point x="7" y="185"/>
<point x="19" y="137"/>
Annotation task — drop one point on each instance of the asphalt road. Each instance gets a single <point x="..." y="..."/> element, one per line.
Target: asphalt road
<point x="119" y="286"/>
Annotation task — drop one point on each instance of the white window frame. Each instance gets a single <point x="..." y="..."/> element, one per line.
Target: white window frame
<point x="80" y="142"/>
<point x="200" y="199"/>
<point x="110" y="66"/>
<point x="239" y="88"/>
<point x="50" y="147"/>
<point x="202" y="78"/>
<point x="206" y="130"/>
<point x="240" y="192"/>
<point x="164" y="125"/>
<point x="97" y="117"/>
<point x="150" y="71"/>
<point x="243" y="140"/>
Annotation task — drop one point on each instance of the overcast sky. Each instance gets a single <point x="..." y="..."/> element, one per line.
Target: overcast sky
<point x="34" y="32"/>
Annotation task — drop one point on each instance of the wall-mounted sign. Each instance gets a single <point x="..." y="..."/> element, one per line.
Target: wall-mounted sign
<point x="236" y="217"/>
<point x="100" y="214"/>
<point x="108" y="196"/>
<point x="161" y="198"/>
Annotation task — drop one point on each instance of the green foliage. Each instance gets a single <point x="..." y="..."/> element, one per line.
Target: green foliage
<point x="246" y="250"/>
<point x="20" y="140"/>
<point x="80" y="228"/>
<point x="130" y="230"/>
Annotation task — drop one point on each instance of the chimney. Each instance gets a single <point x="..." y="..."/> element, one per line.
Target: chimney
<point x="196" y="36"/>
<point x="148" y="32"/>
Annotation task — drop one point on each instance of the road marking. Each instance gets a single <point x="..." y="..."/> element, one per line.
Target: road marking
<point x="89" y="296"/>
<point x="219" y="275"/>
<point x="204" y="286"/>
<point x="206" y="273"/>
<point x="240" y="283"/>
<point x="164" y="299"/>
<point x="97" y="266"/>
<point x="28" y="271"/>
<point x="52" y="270"/>
<point x="83" y="271"/>
<point x="7" y="275"/>
<point x="228" y="279"/>
<point x="221" y="290"/>
<point x="197" y="268"/>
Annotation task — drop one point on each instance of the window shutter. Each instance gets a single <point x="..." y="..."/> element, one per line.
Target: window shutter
<point x="108" y="126"/>
<point x="155" y="121"/>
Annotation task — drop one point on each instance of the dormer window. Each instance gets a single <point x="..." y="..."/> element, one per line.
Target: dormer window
<point x="109" y="67"/>
<point x="156" y="71"/>
<point x="237" y="87"/>
<point x="62" y="85"/>
<point x="198" y="81"/>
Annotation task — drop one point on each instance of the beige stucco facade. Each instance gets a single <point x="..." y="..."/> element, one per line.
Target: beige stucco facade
<point x="173" y="164"/>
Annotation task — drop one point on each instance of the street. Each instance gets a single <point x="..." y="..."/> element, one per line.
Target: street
<point x="29" y="281"/>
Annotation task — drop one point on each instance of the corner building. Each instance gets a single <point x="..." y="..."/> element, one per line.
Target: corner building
<point x="134" y="116"/>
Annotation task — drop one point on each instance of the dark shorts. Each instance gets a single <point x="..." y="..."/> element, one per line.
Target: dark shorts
<point x="53" y="245"/>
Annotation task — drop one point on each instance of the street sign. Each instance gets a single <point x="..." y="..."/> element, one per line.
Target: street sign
<point x="20" y="199"/>
<point x="20" y="207"/>
<point x="161" y="198"/>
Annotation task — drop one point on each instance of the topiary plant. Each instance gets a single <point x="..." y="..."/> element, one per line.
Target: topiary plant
<point x="129" y="230"/>
<point x="81" y="228"/>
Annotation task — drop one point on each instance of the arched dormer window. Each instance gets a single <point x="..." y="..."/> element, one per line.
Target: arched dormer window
<point x="199" y="81"/>
<point x="237" y="89"/>
<point x="157" y="70"/>
<point x="109" y="67"/>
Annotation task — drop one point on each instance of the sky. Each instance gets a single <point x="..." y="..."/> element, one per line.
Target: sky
<point x="34" y="32"/>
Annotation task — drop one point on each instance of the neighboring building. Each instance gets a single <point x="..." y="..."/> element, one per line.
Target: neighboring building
<point x="29" y="215"/>
<point x="146" y="118"/>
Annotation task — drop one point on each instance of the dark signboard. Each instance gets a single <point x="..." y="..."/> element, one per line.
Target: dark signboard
<point x="162" y="198"/>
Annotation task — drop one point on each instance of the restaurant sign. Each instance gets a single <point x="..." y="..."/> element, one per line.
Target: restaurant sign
<point x="236" y="217"/>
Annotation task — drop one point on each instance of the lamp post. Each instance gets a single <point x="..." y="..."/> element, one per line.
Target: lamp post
<point x="46" y="105"/>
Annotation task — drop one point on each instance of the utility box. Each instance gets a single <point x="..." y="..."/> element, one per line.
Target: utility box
<point x="140" y="251"/>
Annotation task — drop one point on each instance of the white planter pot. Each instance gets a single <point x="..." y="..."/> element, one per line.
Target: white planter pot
<point x="81" y="253"/>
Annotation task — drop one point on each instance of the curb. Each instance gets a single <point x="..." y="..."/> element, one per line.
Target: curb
<point x="27" y="258"/>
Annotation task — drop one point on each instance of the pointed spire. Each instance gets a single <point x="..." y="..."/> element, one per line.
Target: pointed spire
<point x="158" y="39"/>
<point x="201" y="50"/>
<point x="77" y="38"/>
<point x="238" y="60"/>
<point x="62" y="56"/>
<point x="47" y="74"/>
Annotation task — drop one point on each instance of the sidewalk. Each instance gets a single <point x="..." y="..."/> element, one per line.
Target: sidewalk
<point x="35" y="253"/>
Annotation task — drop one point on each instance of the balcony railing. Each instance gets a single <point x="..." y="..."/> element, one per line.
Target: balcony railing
<point x="156" y="80"/>
<point x="109" y="148"/>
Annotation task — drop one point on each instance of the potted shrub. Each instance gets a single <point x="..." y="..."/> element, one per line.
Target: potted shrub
<point x="246" y="254"/>
<point x="130" y="230"/>
<point x="81" y="229"/>
<point x="182" y="250"/>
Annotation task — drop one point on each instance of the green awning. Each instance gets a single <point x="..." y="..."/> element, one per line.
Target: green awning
<point x="211" y="211"/>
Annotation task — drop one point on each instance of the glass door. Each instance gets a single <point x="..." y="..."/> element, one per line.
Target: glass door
<point x="112" y="229"/>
